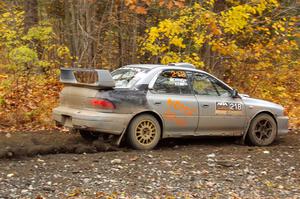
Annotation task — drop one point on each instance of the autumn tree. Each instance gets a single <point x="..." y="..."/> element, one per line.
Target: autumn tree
<point x="252" y="45"/>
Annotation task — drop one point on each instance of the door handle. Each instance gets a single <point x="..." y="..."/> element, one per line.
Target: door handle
<point x="157" y="103"/>
<point x="205" y="105"/>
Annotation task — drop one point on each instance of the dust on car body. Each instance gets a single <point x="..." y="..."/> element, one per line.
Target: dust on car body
<point x="145" y="103"/>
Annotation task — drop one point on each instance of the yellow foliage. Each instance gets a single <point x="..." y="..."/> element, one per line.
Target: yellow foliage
<point x="170" y="57"/>
<point x="235" y="19"/>
<point x="256" y="51"/>
<point x="177" y="42"/>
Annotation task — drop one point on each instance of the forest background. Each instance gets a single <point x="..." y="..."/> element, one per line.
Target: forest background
<point x="253" y="45"/>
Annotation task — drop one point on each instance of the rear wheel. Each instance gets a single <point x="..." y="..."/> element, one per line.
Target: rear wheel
<point x="263" y="130"/>
<point x="88" y="135"/>
<point x="144" y="132"/>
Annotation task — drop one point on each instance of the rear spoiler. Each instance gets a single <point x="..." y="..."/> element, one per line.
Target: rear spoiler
<point x="87" y="77"/>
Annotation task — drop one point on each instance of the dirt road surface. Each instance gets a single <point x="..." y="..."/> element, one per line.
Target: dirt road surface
<point x="61" y="165"/>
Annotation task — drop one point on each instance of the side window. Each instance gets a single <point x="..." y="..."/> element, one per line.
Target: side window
<point x="173" y="82"/>
<point x="206" y="85"/>
<point x="203" y="86"/>
<point x="221" y="88"/>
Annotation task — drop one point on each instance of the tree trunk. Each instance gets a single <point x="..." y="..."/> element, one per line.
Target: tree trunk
<point x="89" y="24"/>
<point x="31" y="14"/>
<point x="120" y="35"/>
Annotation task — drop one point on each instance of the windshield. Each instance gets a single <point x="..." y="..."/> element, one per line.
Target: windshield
<point x="127" y="77"/>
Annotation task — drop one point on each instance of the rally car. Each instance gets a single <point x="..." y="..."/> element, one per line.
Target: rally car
<point x="145" y="103"/>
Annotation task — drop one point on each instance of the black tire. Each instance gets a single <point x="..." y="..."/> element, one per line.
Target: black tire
<point x="88" y="135"/>
<point x="262" y="130"/>
<point x="144" y="132"/>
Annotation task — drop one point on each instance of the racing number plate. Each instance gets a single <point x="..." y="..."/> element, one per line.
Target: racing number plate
<point x="229" y="108"/>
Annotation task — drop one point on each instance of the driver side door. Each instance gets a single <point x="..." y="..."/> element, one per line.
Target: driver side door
<point x="219" y="113"/>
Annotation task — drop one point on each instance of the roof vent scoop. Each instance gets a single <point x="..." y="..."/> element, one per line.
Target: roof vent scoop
<point x="185" y="65"/>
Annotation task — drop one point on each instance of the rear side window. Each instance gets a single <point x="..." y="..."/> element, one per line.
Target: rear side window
<point x="173" y="82"/>
<point x="127" y="77"/>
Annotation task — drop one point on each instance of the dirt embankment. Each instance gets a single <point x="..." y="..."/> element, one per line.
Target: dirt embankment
<point x="20" y="144"/>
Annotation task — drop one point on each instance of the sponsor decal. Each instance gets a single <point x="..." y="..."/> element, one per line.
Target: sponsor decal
<point x="228" y="108"/>
<point x="176" y="105"/>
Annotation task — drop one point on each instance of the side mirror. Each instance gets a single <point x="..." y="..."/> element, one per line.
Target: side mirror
<point x="234" y="94"/>
<point x="150" y="87"/>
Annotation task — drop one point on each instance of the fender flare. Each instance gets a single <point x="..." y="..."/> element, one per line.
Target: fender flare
<point x="119" y="139"/>
<point x="251" y="119"/>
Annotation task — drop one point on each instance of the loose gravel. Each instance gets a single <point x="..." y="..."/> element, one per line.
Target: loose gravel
<point x="188" y="168"/>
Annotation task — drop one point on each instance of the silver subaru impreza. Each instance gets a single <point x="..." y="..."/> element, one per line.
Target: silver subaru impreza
<point x="144" y="103"/>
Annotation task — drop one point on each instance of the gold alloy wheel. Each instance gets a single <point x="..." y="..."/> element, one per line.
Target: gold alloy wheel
<point x="145" y="132"/>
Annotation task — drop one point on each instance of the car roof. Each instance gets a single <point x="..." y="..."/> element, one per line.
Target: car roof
<point x="159" y="67"/>
<point x="182" y="66"/>
<point x="147" y="66"/>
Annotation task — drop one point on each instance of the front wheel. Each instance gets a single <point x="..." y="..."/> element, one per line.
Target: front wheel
<point x="263" y="130"/>
<point x="144" y="132"/>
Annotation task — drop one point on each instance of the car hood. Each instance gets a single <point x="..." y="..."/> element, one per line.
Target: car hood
<point x="262" y="104"/>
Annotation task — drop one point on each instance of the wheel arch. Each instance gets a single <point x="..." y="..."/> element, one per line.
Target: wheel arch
<point x="154" y="114"/>
<point x="254" y="116"/>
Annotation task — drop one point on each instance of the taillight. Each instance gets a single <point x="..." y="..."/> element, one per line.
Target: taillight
<point x="103" y="104"/>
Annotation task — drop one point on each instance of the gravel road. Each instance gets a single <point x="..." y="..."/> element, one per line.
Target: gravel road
<point x="190" y="168"/>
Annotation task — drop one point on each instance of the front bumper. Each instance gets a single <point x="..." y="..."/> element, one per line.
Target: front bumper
<point x="282" y="124"/>
<point x="112" y="123"/>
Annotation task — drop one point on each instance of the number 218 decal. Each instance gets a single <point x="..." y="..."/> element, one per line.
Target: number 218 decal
<point x="174" y="74"/>
<point x="228" y="107"/>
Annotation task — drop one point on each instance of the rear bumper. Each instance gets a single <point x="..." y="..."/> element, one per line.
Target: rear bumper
<point x="112" y="123"/>
<point x="282" y="123"/>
